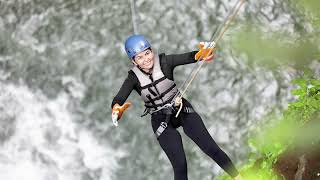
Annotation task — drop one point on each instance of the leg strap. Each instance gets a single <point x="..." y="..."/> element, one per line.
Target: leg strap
<point x="168" y="112"/>
<point x="164" y="124"/>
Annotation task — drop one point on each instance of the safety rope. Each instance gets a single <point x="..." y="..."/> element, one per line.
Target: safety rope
<point x="225" y="25"/>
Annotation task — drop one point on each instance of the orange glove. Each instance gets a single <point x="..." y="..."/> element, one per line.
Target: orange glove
<point x="206" y="51"/>
<point x="117" y="111"/>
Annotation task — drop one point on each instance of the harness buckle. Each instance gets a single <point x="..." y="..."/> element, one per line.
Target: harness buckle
<point x="164" y="124"/>
<point x="161" y="128"/>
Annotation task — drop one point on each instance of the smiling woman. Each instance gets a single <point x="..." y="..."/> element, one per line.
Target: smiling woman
<point x="152" y="78"/>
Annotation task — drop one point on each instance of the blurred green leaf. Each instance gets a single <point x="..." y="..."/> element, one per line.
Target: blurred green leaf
<point x="273" y="49"/>
<point x="296" y="104"/>
<point x="301" y="82"/>
<point x="315" y="82"/>
<point x="311" y="10"/>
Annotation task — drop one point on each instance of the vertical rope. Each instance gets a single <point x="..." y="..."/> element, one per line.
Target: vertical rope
<point x="234" y="11"/>
<point x="240" y="2"/>
<point x="134" y="18"/>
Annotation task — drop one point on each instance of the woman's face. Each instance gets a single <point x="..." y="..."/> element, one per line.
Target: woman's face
<point x="144" y="60"/>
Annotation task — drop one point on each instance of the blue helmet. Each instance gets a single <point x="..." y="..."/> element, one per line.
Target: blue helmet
<point x="136" y="44"/>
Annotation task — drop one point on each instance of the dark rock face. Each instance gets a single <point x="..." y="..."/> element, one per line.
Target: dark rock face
<point x="299" y="165"/>
<point x="287" y="165"/>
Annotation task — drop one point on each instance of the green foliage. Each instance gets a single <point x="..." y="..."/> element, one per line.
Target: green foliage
<point x="273" y="48"/>
<point x="308" y="102"/>
<point x="251" y="171"/>
<point x="268" y="48"/>
<point x="288" y="130"/>
<point x="299" y="125"/>
<point x="310" y="8"/>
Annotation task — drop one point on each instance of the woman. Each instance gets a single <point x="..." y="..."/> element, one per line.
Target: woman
<point x="152" y="77"/>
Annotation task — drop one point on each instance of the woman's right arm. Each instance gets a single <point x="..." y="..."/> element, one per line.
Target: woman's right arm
<point x="124" y="92"/>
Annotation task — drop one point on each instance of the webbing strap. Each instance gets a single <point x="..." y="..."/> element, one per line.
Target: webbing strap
<point x="164" y="124"/>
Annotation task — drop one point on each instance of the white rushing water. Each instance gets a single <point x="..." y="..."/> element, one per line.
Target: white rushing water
<point x="41" y="141"/>
<point x="62" y="62"/>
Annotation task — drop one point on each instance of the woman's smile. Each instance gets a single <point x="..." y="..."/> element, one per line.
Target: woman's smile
<point x="147" y="62"/>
